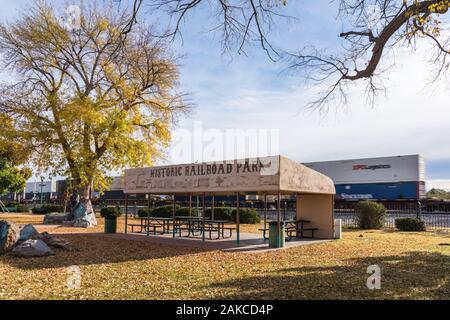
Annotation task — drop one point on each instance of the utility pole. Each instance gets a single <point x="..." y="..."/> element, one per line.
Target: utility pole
<point x="42" y="186"/>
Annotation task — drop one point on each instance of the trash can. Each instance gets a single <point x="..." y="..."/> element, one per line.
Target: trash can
<point x="276" y="240"/>
<point x="110" y="225"/>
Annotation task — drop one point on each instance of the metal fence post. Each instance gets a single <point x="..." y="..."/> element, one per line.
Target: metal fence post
<point x="419" y="210"/>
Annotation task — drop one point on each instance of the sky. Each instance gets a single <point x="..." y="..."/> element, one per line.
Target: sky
<point x="231" y="92"/>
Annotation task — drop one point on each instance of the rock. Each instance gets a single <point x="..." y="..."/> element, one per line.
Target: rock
<point x="9" y="235"/>
<point x="44" y="236"/>
<point x="55" y="218"/>
<point x="32" y="248"/>
<point x="84" y="215"/>
<point x="83" y="223"/>
<point x="60" y="243"/>
<point x="55" y="242"/>
<point x="28" y="232"/>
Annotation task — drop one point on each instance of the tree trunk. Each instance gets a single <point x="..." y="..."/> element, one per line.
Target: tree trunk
<point x="84" y="191"/>
<point x="83" y="214"/>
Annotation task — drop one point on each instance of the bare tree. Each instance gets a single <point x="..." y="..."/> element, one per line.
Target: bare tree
<point x="239" y="21"/>
<point x="375" y="27"/>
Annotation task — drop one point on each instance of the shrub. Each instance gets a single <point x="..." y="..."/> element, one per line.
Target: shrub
<point x="409" y="224"/>
<point x="164" y="211"/>
<point x="47" y="208"/>
<point x="21" y="208"/>
<point x="110" y="212"/>
<point x="247" y="216"/>
<point x="14" y="206"/>
<point x="39" y="210"/>
<point x="220" y="213"/>
<point x="184" y="212"/>
<point x="370" y="215"/>
<point x="143" y="213"/>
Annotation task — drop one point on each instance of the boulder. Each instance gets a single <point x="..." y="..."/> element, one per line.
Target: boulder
<point x="32" y="248"/>
<point x="59" y="243"/>
<point x="44" y="236"/>
<point x="55" y="218"/>
<point x="28" y="232"/>
<point x="84" y="215"/>
<point x="55" y="242"/>
<point x="9" y="235"/>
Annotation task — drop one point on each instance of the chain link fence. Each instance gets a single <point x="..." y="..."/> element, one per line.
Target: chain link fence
<point x="434" y="219"/>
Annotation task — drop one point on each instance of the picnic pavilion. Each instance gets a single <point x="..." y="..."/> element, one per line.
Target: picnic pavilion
<point x="273" y="176"/>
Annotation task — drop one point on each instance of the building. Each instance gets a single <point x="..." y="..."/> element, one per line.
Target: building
<point x="37" y="189"/>
<point x="385" y="178"/>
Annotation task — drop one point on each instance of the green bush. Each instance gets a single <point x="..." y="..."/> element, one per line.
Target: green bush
<point x="14" y="206"/>
<point x="47" y="208"/>
<point x="39" y="210"/>
<point x="409" y="224"/>
<point x="184" y="212"/>
<point x="164" y="211"/>
<point x="247" y="216"/>
<point x="143" y="213"/>
<point x="220" y="213"/>
<point x="371" y="215"/>
<point x="21" y="208"/>
<point x="110" y="212"/>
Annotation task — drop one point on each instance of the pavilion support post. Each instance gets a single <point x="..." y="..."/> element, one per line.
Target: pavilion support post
<point x="147" y="223"/>
<point x="238" y="231"/>
<point x="173" y="217"/>
<point x="279" y="219"/>
<point x="126" y="213"/>
<point x="265" y="215"/>
<point x="190" y="204"/>
<point x="203" y="216"/>
<point x="212" y="207"/>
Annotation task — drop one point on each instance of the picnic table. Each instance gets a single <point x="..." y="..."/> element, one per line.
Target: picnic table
<point x="152" y="223"/>
<point x="197" y="225"/>
<point x="294" y="228"/>
<point x="193" y="225"/>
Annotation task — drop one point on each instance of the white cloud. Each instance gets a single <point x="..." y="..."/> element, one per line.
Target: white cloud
<point x="413" y="118"/>
<point x="438" y="184"/>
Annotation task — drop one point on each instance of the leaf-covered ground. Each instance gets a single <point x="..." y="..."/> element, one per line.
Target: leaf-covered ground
<point x="413" y="266"/>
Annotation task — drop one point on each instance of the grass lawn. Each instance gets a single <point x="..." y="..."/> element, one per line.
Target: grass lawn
<point x="413" y="266"/>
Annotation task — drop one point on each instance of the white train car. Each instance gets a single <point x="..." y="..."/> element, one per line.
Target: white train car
<point x="384" y="178"/>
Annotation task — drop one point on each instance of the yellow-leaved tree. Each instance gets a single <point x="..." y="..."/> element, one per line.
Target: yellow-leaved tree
<point x="88" y="97"/>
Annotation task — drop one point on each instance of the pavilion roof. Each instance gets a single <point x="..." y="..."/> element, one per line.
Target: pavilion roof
<point x="265" y="174"/>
